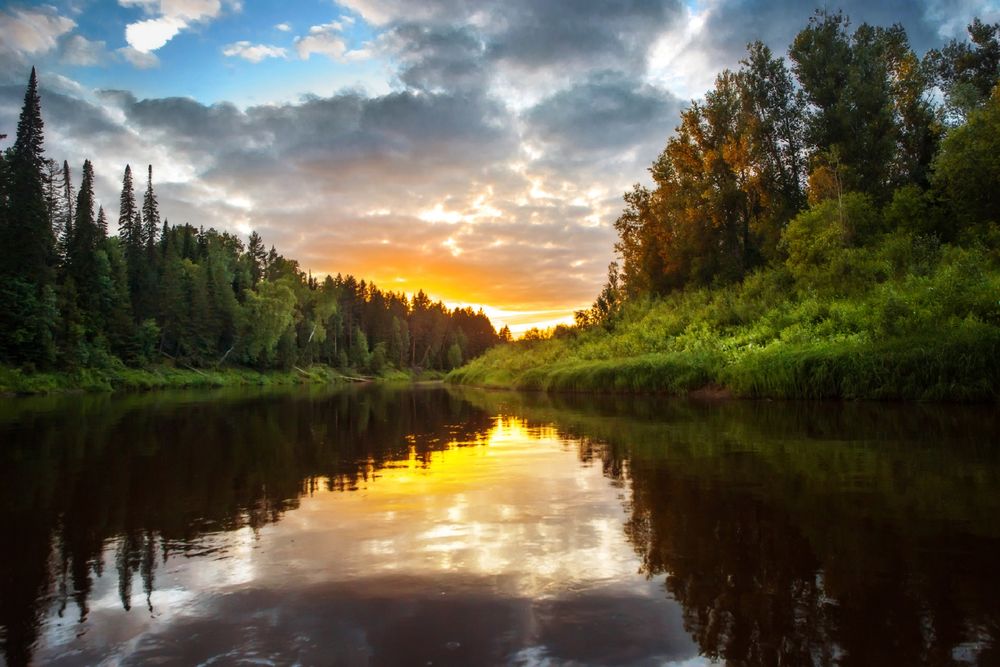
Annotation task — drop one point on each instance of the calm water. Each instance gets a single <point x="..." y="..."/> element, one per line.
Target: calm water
<point x="436" y="526"/>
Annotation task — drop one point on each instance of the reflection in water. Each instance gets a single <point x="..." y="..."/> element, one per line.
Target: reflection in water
<point x="463" y="527"/>
<point x="809" y="533"/>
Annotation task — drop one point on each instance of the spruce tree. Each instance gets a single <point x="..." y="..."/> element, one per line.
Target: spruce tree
<point x="28" y="243"/>
<point x="82" y="250"/>
<point x="53" y="175"/>
<point x="102" y="223"/>
<point x="127" y="212"/>
<point x="258" y="257"/>
<point x="4" y="188"/>
<point x="150" y="217"/>
<point x="133" y="247"/>
<point x="66" y="232"/>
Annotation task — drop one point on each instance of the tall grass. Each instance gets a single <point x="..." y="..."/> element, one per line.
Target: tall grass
<point x="912" y="320"/>
<point x="121" y="378"/>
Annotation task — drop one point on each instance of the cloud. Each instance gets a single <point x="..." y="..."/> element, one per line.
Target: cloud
<point x="170" y="18"/>
<point x="322" y="40"/>
<point x="80" y="51"/>
<point x="283" y="27"/>
<point x="437" y="58"/>
<point x="150" y="35"/>
<point x="32" y="31"/>
<point x="688" y="55"/>
<point x="138" y="59"/>
<point x="608" y="112"/>
<point x="254" y="52"/>
<point x="491" y="174"/>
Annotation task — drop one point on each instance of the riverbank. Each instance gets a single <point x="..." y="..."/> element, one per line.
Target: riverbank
<point x="17" y="382"/>
<point x="878" y="333"/>
<point x="960" y="370"/>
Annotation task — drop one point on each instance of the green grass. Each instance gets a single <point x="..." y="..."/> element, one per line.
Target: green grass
<point x="16" y="381"/>
<point x="124" y="378"/>
<point x="901" y="320"/>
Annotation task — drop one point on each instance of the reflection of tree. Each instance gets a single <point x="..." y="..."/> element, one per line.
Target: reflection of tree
<point x="150" y="477"/>
<point x="806" y="533"/>
<point x="774" y="569"/>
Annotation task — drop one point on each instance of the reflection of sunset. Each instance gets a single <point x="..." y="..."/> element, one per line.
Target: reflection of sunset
<point x="515" y="505"/>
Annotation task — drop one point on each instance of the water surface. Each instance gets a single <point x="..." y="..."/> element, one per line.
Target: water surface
<point x="389" y="526"/>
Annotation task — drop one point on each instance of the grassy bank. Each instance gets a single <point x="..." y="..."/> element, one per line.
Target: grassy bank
<point x="16" y="381"/>
<point x="123" y="378"/>
<point x="899" y="320"/>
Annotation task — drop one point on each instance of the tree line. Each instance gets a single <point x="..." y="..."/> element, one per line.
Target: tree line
<point x="787" y="161"/>
<point x="74" y="296"/>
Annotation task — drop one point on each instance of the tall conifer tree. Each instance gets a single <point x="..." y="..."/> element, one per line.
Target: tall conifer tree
<point x="127" y="212"/>
<point x="67" y="211"/>
<point x="29" y="246"/>
<point x="150" y="216"/>
<point x="83" y="245"/>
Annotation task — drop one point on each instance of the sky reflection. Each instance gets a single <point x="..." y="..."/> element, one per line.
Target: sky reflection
<point x="505" y="548"/>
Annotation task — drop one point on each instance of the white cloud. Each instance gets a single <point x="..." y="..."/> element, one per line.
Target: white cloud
<point x="283" y="27"/>
<point x="171" y="16"/>
<point x="677" y="64"/>
<point x="78" y="50"/>
<point x="254" y="52"/>
<point x="150" y="35"/>
<point x="332" y="26"/>
<point x="139" y="59"/>
<point x="324" y="40"/>
<point x="32" y="31"/>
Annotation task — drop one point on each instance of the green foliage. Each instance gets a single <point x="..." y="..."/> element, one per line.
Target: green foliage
<point x="967" y="170"/>
<point x="27" y="243"/>
<point x="816" y="240"/>
<point x="28" y="320"/>
<point x="267" y="313"/>
<point x="922" y="322"/>
<point x="967" y="71"/>
<point x="881" y="288"/>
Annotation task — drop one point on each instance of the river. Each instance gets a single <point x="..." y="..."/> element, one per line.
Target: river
<point x="381" y="525"/>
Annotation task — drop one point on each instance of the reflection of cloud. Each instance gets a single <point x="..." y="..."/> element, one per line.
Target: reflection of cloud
<point x="473" y="554"/>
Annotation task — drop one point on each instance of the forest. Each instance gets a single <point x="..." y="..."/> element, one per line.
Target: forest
<point x="75" y="298"/>
<point x="819" y="225"/>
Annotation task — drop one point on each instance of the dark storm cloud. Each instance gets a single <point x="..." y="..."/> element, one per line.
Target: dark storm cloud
<point x="338" y="142"/>
<point x="607" y="112"/>
<point x="65" y="113"/>
<point x="609" y="32"/>
<point x="527" y="33"/>
<point x="437" y="57"/>
<point x="493" y="168"/>
<point x="734" y="23"/>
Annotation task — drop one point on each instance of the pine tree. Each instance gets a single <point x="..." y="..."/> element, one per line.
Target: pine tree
<point x="102" y="223"/>
<point x="28" y="242"/>
<point x="4" y="176"/>
<point x="127" y="212"/>
<point x="82" y="250"/>
<point x="257" y="256"/>
<point x="62" y="240"/>
<point x="150" y="217"/>
<point x="54" y="197"/>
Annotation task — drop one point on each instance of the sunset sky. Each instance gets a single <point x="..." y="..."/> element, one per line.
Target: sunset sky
<point x="478" y="150"/>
